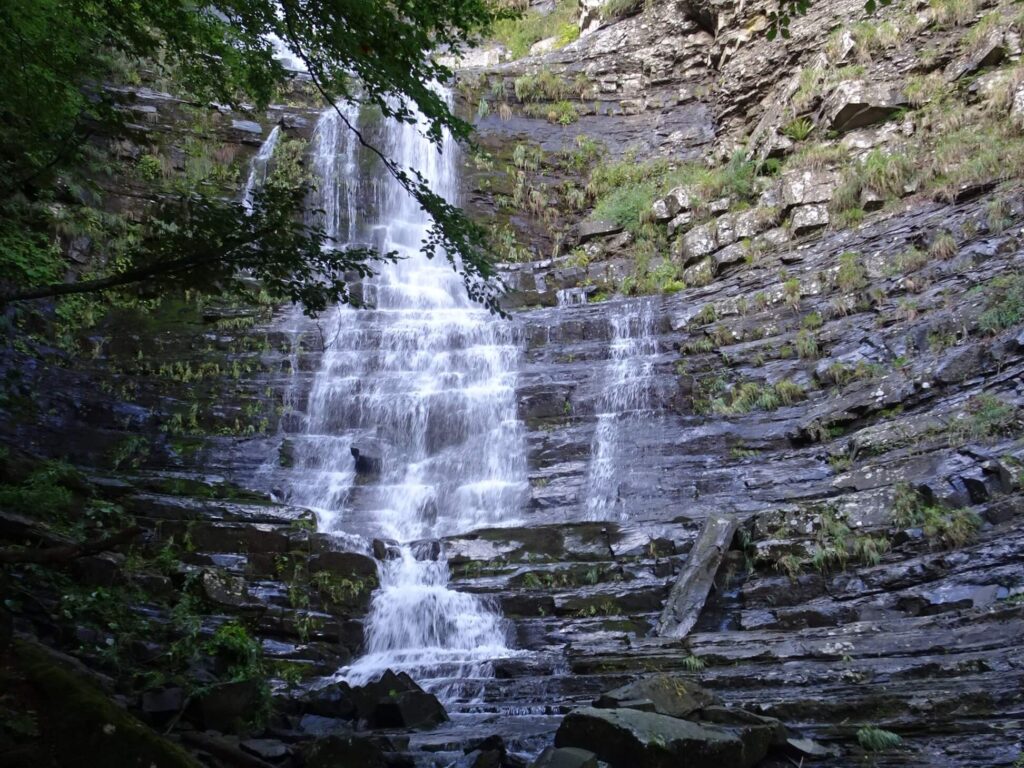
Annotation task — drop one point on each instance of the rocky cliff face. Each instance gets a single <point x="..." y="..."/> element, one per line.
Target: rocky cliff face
<point x="820" y="337"/>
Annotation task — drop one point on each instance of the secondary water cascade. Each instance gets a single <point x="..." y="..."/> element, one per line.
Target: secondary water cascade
<point x="410" y="429"/>
<point x="626" y="391"/>
<point x="258" y="168"/>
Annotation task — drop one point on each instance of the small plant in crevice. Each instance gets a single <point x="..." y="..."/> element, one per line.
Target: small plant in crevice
<point x="943" y="246"/>
<point x="693" y="663"/>
<point x="997" y="215"/>
<point x="950" y="527"/>
<point x="807" y="344"/>
<point x="851" y="275"/>
<point x="875" y="739"/>
<point x="798" y="129"/>
<point x="1004" y="303"/>
<point x="986" y="417"/>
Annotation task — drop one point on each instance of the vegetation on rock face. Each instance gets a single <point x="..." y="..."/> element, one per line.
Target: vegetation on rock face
<point x="520" y="33"/>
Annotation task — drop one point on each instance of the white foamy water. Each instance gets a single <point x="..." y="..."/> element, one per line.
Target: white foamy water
<point x="632" y="353"/>
<point x="424" y="383"/>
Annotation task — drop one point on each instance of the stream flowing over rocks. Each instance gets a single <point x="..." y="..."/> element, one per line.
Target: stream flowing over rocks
<point x="753" y="516"/>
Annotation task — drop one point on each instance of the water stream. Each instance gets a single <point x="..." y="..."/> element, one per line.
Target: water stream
<point x="422" y="388"/>
<point x="626" y="391"/>
<point x="258" y="168"/>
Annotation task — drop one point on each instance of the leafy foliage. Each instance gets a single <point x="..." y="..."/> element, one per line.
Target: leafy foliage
<point x="377" y="52"/>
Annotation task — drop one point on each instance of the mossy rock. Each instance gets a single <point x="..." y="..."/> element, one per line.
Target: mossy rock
<point x="83" y="728"/>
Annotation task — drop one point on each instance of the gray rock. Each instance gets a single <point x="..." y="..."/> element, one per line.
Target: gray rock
<point x="628" y="738"/>
<point x="987" y="52"/>
<point x="857" y="103"/>
<point x="808" y="218"/>
<point x="699" y="242"/>
<point x="588" y="230"/>
<point x="672" y="695"/>
<point x="679" y="222"/>
<point x="808" y="186"/>
<point x="247" y="126"/>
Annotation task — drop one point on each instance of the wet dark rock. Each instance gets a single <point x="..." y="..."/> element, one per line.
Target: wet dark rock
<point x="368" y="463"/>
<point x="318" y="725"/>
<point x="757" y="732"/>
<point x="333" y="700"/>
<point x="628" y="738"/>
<point x="689" y="593"/>
<point x="386" y="549"/>
<point x="408" y="709"/>
<point x="103" y="570"/>
<point x="396" y="701"/>
<point x="565" y="757"/>
<point x="225" y="707"/>
<point x="671" y="695"/>
<point x="351" y="565"/>
<point x="271" y="750"/>
<point x="164" y="703"/>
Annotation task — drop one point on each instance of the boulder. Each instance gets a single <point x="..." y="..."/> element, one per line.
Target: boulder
<point x="162" y="704"/>
<point x="396" y="701"/>
<point x="565" y="757"/>
<point x="351" y="565"/>
<point x="409" y="709"/>
<point x="225" y="707"/>
<point x="857" y="103"/>
<point x="271" y="750"/>
<point x="368" y="462"/>
<point x="679" y="222"/>
<point x="629" y="738"/>
<point x="589" y="230"/>
<point x="334" y="700"/>
<point x="671" y="695"/>
<point x="808" y="186"/>
<point x="808" y="218"/>
<point x="547" y="45"/>
<point x="318" y="725"/>
<point x="987" y="52"/>
<point x="699" y="242"/>
<point x="758" y="733"/>
<point x="678" y="200"/>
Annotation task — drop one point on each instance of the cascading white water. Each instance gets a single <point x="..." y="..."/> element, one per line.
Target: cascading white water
<point x="424" y="383"/>
<point x="632" y="351"/>
<point x="258" y="168"/>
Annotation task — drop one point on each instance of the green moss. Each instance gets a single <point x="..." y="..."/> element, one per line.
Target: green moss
<point x="84" y="728"/>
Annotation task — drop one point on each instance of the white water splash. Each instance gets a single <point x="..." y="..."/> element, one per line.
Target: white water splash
<point x="426" y="383"/>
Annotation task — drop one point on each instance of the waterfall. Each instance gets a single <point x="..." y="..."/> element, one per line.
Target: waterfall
<point x="632" y="353"/>
<point x="258" y="168"/>
<point x="422" y="389"/>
